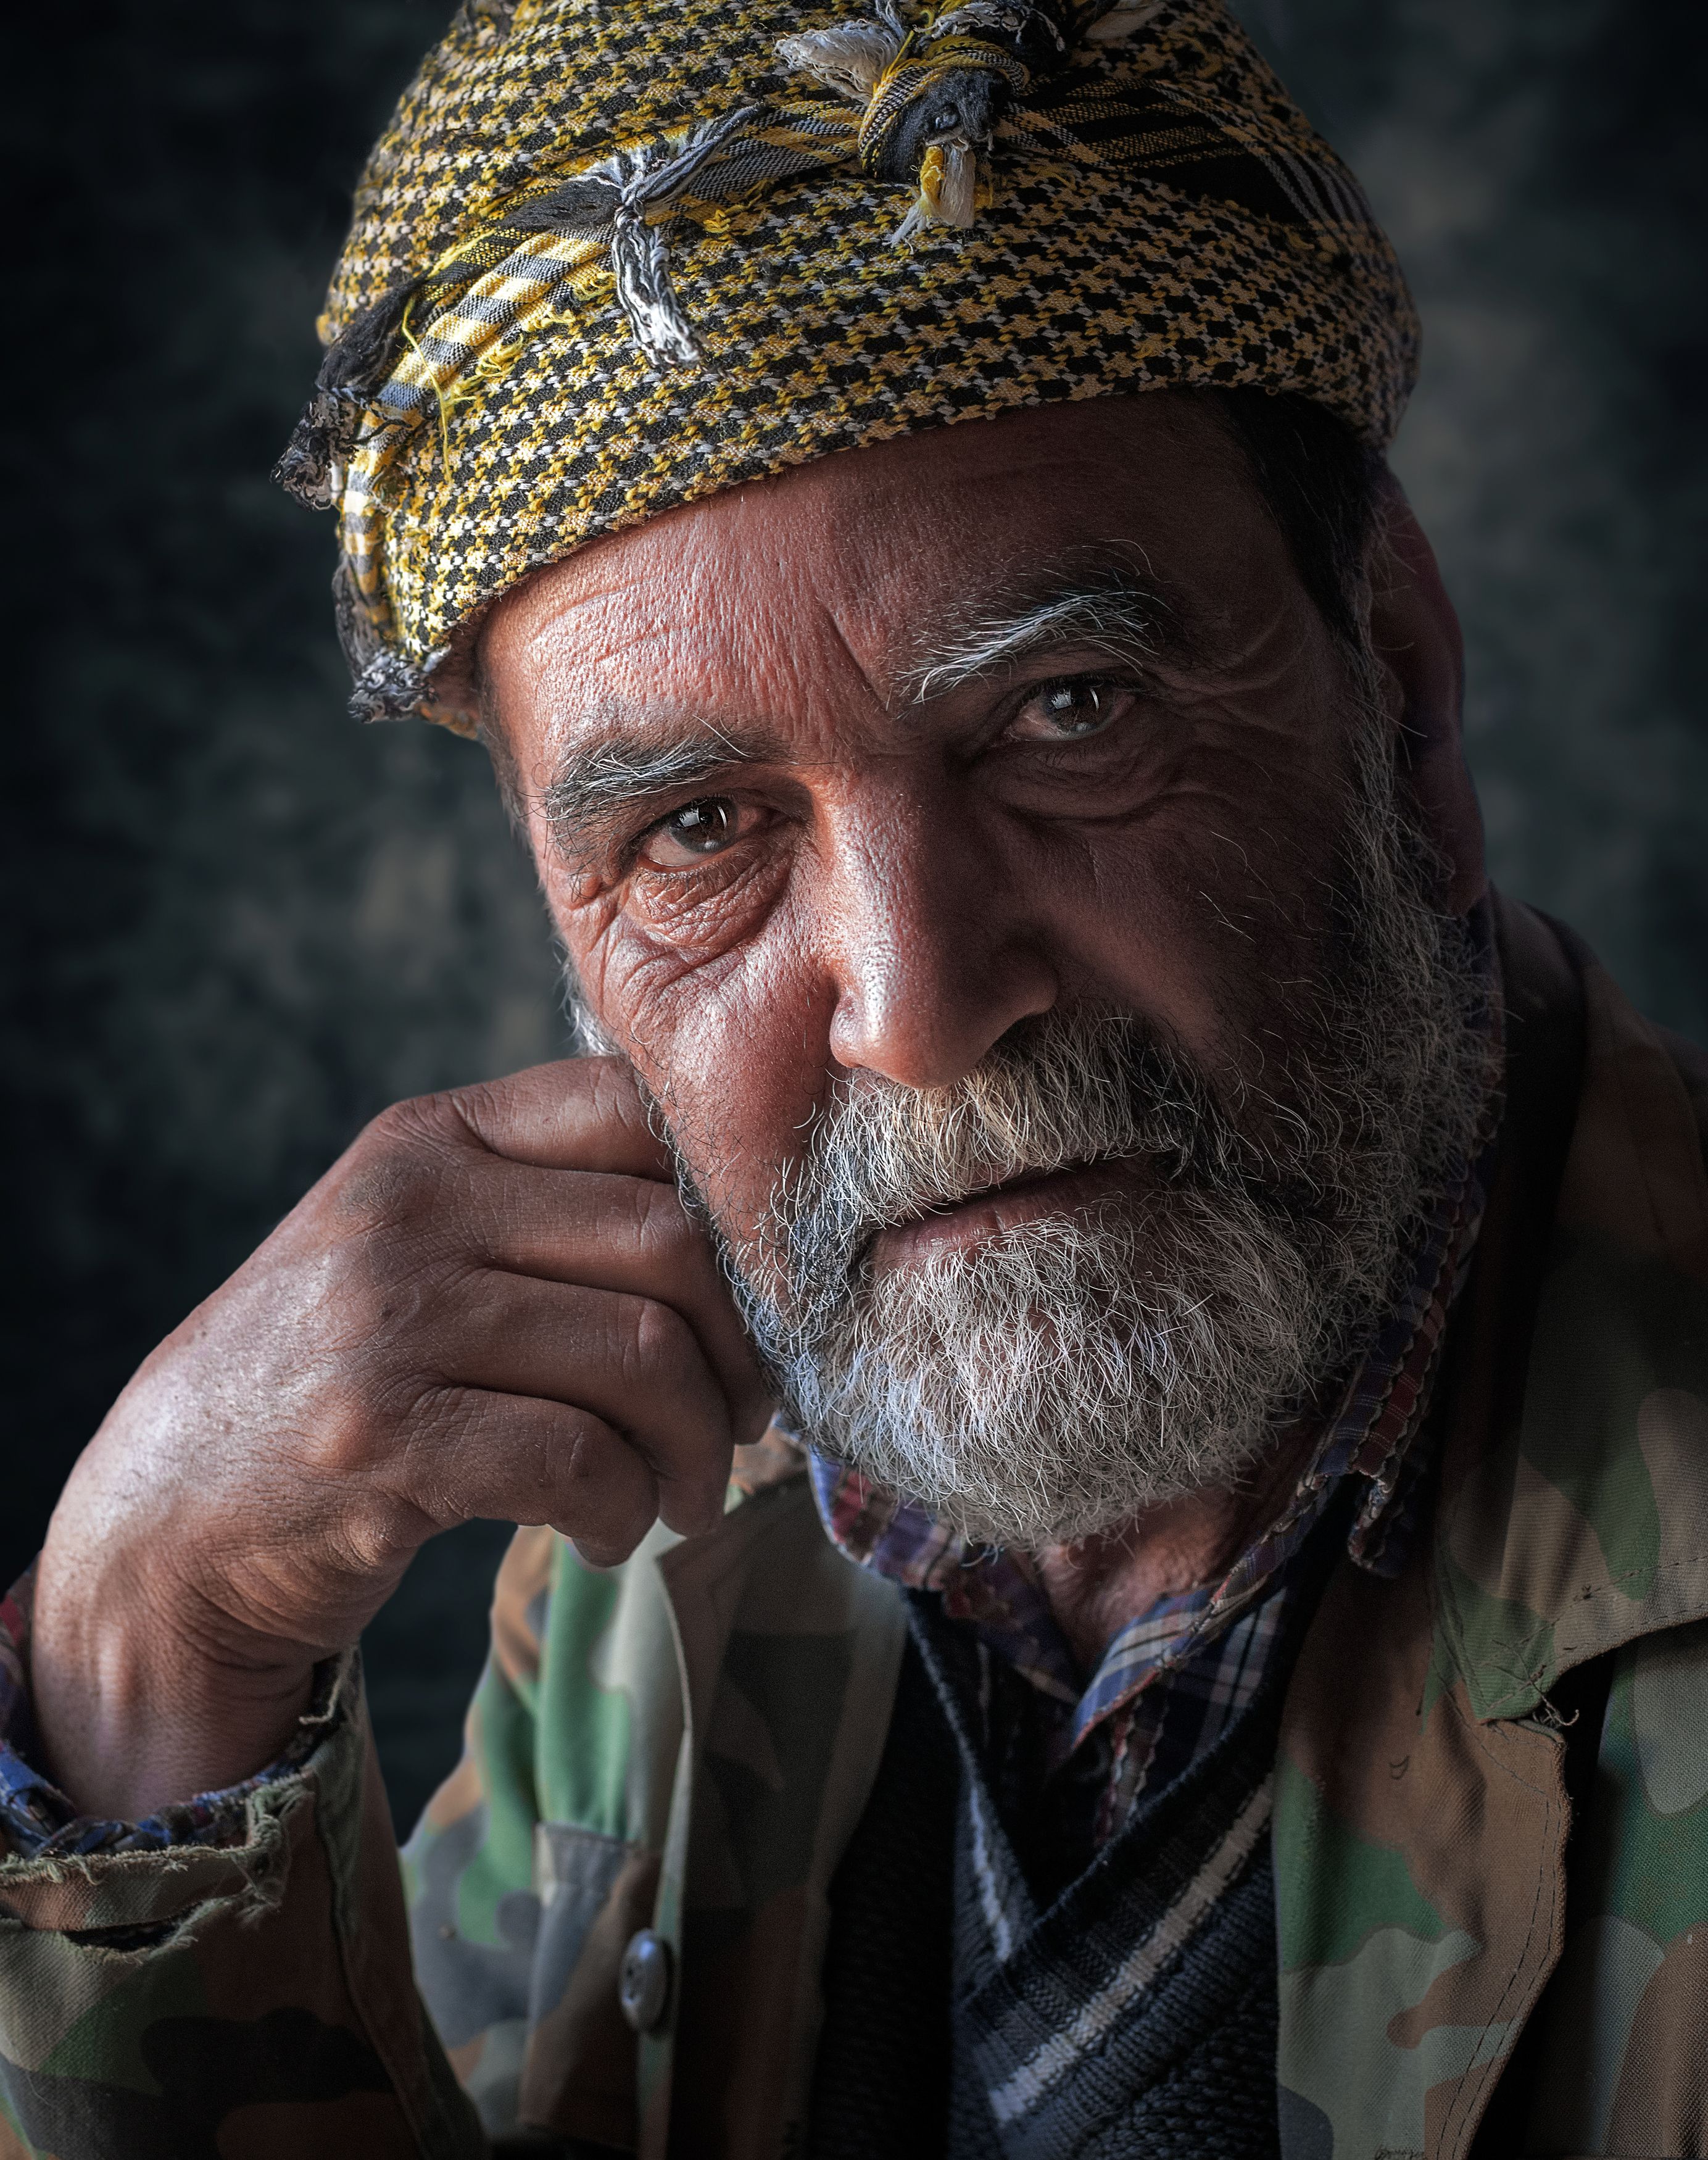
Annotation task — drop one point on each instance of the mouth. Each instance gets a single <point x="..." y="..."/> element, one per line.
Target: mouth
<point x="1001" y="1208"/>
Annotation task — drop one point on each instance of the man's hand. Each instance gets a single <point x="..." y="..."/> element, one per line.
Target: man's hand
<point x="494" y="1304"/>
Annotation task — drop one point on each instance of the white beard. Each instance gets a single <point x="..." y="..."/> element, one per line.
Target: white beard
<point x="1054" y="1381"/>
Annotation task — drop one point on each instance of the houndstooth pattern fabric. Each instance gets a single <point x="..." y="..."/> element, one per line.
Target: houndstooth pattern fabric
<point x="1153" y="211"/>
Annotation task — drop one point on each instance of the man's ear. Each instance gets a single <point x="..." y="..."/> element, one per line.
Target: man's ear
<point x="1416" y="636"/>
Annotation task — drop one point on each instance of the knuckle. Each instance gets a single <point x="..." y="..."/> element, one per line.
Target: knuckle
<point x="468" y="1112"/>
<point x="436" y="1430"/>
<point x="331" y="1456"/>
<point x="427" y="1413"/>
<point x="597" y="1480"/>
<point x="369" y="1398"/>
<point x="381" y="1315"/>
<point x="369" y="1535"/>
<point x="418" y="1123"/>
<point x="392" y="1174"/>
<point x="384" y="1426"/>
<point x="659" y="1353"/>
<point x="616" y="1093"/>
<point x="662" y="1225"/>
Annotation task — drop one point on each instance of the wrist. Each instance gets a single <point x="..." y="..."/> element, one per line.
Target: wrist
<point x="137" y="1707"/>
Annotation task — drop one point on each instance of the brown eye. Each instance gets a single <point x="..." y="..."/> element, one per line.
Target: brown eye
<point x="1066" y="711"/>
<point x="698" y="829"/>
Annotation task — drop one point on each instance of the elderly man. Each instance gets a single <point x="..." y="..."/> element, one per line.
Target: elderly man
<point x="1109" y="1353"/>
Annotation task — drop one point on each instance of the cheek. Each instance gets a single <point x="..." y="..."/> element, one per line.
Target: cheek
<point x="742" y="1063"/>
<point x="736" y="1047"/>
<point x="1208" y="915"/>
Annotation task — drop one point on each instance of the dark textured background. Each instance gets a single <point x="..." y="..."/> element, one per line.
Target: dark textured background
<point x="237" y="925"/>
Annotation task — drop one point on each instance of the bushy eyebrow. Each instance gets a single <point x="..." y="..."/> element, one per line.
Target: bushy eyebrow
<point x="597" y="782"/>
<point x="1127" y="620"/>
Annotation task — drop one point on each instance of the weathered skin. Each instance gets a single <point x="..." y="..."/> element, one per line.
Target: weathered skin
<point x="687" y="1741"/>
<point x="450" y="1323"/>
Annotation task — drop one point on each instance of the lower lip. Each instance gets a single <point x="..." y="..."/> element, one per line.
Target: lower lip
<point x="1069" y="1192"/>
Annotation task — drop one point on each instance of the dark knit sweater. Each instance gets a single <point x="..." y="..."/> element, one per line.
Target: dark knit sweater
<point x="1131" y="2018"/>
<point x="1134" y="2018"/>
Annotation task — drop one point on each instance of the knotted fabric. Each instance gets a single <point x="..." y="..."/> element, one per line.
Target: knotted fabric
<point x="612" y="256"/>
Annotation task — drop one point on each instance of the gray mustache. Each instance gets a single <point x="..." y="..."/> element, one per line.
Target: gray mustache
<point x="1063" y="1091"/>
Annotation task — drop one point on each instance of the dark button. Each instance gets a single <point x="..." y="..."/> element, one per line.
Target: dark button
<point x="643" y="1985"/>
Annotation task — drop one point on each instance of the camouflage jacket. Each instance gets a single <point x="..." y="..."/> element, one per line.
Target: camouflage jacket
<point x="1491" y="1817"/>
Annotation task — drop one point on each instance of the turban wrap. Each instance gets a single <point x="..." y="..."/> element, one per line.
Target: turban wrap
<point x="611" y="255"/>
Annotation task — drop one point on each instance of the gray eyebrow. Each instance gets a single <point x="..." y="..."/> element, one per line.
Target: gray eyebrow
<point x="1127" y="620"/>
<point x="594" y="782"/>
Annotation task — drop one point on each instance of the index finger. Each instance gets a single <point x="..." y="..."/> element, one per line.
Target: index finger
<point x="576" y="1113"/>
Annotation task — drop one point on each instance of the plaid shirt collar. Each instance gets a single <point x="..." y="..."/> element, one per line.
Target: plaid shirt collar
<point x="1369" y="1440"/>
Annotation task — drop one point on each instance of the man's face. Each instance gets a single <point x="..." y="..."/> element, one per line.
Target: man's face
<point x="1015" y="755"/>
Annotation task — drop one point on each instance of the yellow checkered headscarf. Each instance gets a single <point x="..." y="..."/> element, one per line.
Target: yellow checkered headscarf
<point x="614" y="255"/>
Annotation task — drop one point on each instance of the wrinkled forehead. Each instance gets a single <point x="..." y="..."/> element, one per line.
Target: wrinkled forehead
<point x="879" y="560"/>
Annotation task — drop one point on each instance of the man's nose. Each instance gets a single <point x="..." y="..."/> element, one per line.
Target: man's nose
<point x="933" y="951"/>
